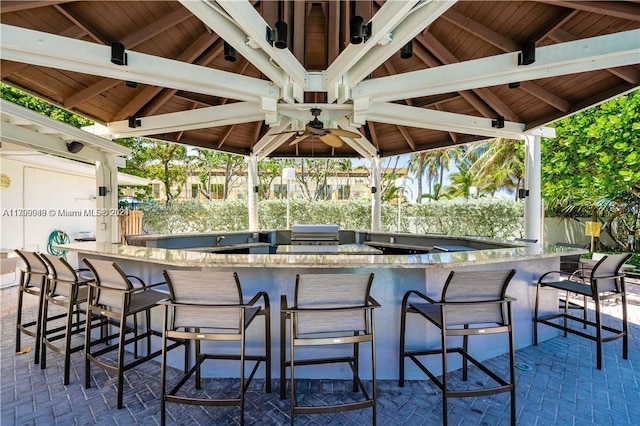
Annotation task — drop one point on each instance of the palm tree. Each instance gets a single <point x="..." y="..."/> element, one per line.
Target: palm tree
<point x="500" y="164"/>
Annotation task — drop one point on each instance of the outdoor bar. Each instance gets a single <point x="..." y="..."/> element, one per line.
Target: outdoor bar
<point x="394" y="275"/>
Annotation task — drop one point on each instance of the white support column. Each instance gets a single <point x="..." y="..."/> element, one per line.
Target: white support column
<point x="107" y="205"/>
<point x="252" y="196"/>
<point x="533" y="201"/>
<point x="376" y="198"/>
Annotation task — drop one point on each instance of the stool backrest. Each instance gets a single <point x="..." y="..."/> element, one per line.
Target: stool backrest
<point x="62" y="275"/>
<point x="479" y="287"/>
<point x="205" y="299"/>
<point x="33" y="266"/>
<point x="331" y="291"/>
<point x="608" y="266"/>
<point x="110" y="281"/>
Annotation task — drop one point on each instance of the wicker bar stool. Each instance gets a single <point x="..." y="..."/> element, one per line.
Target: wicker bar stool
<point x="209" y="306"/>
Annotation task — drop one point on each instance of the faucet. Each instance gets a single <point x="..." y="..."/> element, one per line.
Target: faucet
<point x="219" y="238"/>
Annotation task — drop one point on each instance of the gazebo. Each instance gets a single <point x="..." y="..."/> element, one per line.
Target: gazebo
<point x="324" y="78"/>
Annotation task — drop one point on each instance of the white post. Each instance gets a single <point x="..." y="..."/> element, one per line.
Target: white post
<point x="376" y="199"/>
<point x="400" y="184"/>
<point x="252" y="193"/>
<point x="107" y="204"/>
<point x="532" y="202"/>
<point x="288" y="176"/>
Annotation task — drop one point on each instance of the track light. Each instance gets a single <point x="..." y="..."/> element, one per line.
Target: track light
<point x="131" y="84"/>
<point x="229" y="53"/>
<point x="406" y="51"/>
<point x="514" y="85"/>
<point x="134" y="122"/>
<point x="278" y="36"/>
<point x="358" y="31"/>
<point x="118" y="55"/>
<point x="527" y="55"/>
<point x="74" y="147"/>
<point x="498" y="123"/>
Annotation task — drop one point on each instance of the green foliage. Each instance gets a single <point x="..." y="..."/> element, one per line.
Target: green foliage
<point x="19" y="97"/>
<point x="490" y="217"/>
<point x="593" y="166"/>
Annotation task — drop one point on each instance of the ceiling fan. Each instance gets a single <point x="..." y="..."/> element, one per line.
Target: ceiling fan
<point x="315" y="127"/>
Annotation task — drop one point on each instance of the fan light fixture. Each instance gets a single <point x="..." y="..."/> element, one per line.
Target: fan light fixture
<point x="315" y="128"/>
<point x="358" y="31"/>
<point x="278" y="36"/>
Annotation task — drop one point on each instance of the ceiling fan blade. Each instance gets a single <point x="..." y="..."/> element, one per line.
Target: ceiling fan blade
<point x="299" y="139"/>
<point x="316" y="132"/>
<point x="283" y="133"/>
<point x="332" y="140"/>
<point x="344" y="133"/>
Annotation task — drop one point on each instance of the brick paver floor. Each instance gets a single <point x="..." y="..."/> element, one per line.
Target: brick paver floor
<point x="563" y="387"/>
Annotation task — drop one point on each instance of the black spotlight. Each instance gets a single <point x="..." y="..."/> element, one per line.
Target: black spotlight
<point x="514" y="85"/>
<point x="358" y="32"/>
<point x="527" y="55"/>
<point x="406" y="51"/>
<point x="498" y="123"/>
<point x="229" y="53"/>
<point x="118" y="55"/>
<point x="278" y="36"/>
<point x="74" y="147"/>
<point x="131" y="84"/>
<point x="134" y="122"/>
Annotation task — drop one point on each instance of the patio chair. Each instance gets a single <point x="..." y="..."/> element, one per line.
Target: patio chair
<point x="33" y="277"/>
<point x="209" y="306"/>
<point x="66" y="289"/>
<point x="471" y="304"/>
<point x="329" y="309"/>
<point x="113" y="299"/>
<point x="571" y="265"/>
<point x="604" y="279"/>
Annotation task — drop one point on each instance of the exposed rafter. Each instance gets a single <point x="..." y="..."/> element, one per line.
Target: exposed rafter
<point x="624" y="10"/>
<point x="35" y="47"/>
<point x="561" y="59"/>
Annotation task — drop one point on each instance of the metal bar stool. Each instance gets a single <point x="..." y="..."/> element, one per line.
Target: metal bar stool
<point x="208" y="306"/>
<point x="329" y="309"/>
<point x="113" y="298"/>
<point x="471" y="304"/>
<point x="33" y="278"/>
<point x="66" y="289"/>
<point x="605" y="280"/>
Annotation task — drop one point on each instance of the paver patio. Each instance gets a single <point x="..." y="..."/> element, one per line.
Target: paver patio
<point x="563" y="388"/>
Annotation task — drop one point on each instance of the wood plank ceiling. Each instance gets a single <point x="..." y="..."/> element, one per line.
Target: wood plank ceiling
<point x="318" y="34"/>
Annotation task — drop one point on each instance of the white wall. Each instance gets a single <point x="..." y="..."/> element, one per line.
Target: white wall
<point x="45" y="192"/>
<point x="569" y="230"/>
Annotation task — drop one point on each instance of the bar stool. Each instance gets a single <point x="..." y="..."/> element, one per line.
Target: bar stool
<point x="32" y="282"/>
<point x="329" y="309"/>
<point x="112" y="299"/>
<point x="65" y="288"/>
<point x="471" y="304"/>
<point x="208" y="306"/>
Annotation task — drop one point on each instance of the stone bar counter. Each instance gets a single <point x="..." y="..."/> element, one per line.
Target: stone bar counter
<point x="394" y="275"/>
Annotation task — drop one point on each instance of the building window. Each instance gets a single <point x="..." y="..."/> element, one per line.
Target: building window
<point x="344" y="192"/>
<point x="279" y="190"/>
<point x="216" y="191"/>
<point x="195" y="190"/>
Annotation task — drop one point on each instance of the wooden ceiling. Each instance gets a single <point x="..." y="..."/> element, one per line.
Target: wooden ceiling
<point x="391" y="122"/>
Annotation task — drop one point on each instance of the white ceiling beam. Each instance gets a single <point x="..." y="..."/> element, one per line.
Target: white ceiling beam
<point x="50" y="144"/>
<point x="222" y="24"/>
<point x="19" y="115"/>
<point x="43" y="49"/>
<point x="403" y="115"/>
<point x="270" y="142"/>
<point x="360" y="145"/>
<point x="573" y="57"/>
<point x="221" y="115"/>
<point x="413" y="24"/>
<point x="382" y="23"/>
<point x="254" y="25"/>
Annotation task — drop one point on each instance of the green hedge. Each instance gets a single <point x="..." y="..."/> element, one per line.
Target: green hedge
<point x="485" y="216"/>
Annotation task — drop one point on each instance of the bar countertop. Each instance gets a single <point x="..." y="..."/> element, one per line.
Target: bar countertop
<point x="193" y="259"/>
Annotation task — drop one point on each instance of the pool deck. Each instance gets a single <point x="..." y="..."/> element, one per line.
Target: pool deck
<point x="562" y="388"/>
